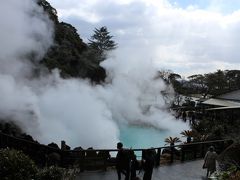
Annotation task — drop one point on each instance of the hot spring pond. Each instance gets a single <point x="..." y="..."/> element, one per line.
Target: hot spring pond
<point x="142" y="137"/>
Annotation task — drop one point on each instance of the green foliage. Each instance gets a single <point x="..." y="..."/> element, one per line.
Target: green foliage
<point x="16" y="165"/>
<point x="55" y="173"/>
<point x="52" y="172"/>
<point x="10" y="128"/>
<point x="66" y="53"/>
<point x="218" y="132"/>
<point x="232" y="173"/>
<point x="215" y="83"/>
<point x="49" y="9"/>
<point x="70" y="54"/>
<point x="187" y="133"/>
<point x="101" y="42"/>
<point x="172" y="140"/>
<point x="72" y="57"/>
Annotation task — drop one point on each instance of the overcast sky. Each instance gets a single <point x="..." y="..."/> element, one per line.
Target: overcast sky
<point x="185" y="36"/>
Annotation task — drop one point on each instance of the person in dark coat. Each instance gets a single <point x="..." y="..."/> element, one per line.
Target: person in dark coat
<point x="184" y="116"/>
<point x="122" y="162"/>
<point x="148" y="164"/>
<point x="134" y="167"/>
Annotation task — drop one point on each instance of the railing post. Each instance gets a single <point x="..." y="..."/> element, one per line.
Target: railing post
<point x="172" y="153"/>
<point x="158" y="157"/>
<point x="105" y="157"/>
<point x="194" y="147"/>
<point x="183" y="154"/>
<point x="202" y="150"/>
<point x="143" y="154"/>
<point x="83" y="161"/>
<point x="1" y="140"/>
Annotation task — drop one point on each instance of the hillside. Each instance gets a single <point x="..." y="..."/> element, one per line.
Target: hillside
<point x="69" y="53"/>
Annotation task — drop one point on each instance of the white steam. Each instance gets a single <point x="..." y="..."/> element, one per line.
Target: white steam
<point x="53" y="109"/>
<point x="26" y="34"/>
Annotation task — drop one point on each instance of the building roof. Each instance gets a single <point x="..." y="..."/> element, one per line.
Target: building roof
<point x="221" y="102"/>
<point x="223" y="108"/>
<point x="234" y="96"/>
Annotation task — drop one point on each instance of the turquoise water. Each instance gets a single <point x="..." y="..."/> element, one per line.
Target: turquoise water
<point x="142" y="137"/>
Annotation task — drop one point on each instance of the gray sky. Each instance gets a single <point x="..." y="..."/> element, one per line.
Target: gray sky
<point x="187" y="37"/>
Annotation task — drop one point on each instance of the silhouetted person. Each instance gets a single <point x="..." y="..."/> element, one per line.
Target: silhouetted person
<point x="184" y="116"/>
<point x="122" y="162"/>
<point x="189" y="139"/>
<point x="193" y="118"/>
<point x="104" y="154"/>
<point x="91" y="153"/>
<point x="148" y="164"/>
<point x="134" y="167"/>
<point x="210" y="160"/>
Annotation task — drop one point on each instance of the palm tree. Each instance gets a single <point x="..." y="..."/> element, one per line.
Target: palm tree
<point x="189" y="134"/>
<point x="170" y="140"/>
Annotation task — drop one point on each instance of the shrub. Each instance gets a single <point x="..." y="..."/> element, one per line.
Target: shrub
<point x="55" y="173"/>
<point x="52" y="172"/>
<point x="16" y="165"/>
<point x="232" y="173"/>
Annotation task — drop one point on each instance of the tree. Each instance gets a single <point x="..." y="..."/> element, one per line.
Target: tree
<point x="198" y="82"/>
<point x="233" y="79"/>
<point x="172" y="140"/>
<point x="216" y="82"/>
<point x="101" y="42"/>
<point x="16" y="165"/>
<point x="189" y="134"/>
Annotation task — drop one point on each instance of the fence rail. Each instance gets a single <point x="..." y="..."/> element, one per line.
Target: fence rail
<point x="92" y="159"/>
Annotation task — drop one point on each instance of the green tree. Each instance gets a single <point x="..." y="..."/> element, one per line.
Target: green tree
<point x="189" y="134"/>
<point x="216" y="82"/>
<point x="233" y="79"/>
<point x="172" y="140"/>
<point x="199" y="81"/>
<point x="16" y="165"/>
<point x="101" y="42"/>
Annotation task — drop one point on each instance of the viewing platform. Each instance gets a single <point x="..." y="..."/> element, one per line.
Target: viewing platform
<point x="191" y="170"/>
<point x="175" y="162"/>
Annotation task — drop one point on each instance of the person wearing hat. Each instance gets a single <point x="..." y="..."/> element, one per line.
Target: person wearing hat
<point x="210" y="161"/>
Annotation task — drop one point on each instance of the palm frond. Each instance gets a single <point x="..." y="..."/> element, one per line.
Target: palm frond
<point x="187" y="133"/>
<point x="172" y="140"/>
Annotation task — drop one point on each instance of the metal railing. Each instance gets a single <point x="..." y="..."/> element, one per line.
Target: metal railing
<point x="92" y="159"/>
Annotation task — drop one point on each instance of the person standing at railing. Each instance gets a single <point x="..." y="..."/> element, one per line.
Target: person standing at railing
<point x="148" y="164"/>
<point x="123" y="162"/>
<point x="210" y="161"/>
<point x="134" y="167"/>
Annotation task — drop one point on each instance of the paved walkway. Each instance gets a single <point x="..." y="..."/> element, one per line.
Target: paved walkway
<point x="182" y="171"/>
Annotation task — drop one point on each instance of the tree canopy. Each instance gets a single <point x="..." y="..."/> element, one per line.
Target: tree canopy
<point x="71" y="55"/>
<point x="101" y="42"/>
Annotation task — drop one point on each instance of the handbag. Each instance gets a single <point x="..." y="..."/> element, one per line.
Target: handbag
<point x="204" y="165"/>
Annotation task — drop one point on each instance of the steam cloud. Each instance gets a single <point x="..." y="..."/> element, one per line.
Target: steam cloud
<point x="51" y="108"/>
